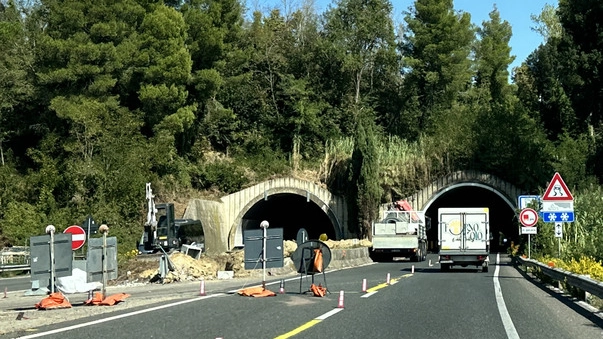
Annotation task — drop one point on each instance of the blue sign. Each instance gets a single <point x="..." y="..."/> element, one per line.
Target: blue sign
<point x="524" y="200"/>
<point x="558" y="216"/>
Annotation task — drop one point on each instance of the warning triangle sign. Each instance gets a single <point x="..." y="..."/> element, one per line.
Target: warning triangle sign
<point x="557" y="190"/>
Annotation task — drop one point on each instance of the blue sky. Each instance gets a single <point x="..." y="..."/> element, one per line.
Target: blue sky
<point x="517" y="12"/>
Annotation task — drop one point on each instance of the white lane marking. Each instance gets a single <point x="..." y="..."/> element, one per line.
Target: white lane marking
<point x="121" y="316"/>
<point x="502" y="307"/>
<point x="328" y="314"/>
<point x="368" y="294"/>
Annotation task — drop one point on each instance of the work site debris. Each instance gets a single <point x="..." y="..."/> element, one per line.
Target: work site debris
<point x="187" y="268"/>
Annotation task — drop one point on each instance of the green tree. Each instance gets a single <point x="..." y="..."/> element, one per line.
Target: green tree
<point x="362" y="33"/>
<point x="547" y="23"/>
<point x="364" y="190"/>
<point x="16" y="72"/>
<point x="493" y="57"/>
<point x="436" y="47"/>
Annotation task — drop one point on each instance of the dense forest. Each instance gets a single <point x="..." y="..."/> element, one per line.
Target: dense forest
<point x="203" y="97"/>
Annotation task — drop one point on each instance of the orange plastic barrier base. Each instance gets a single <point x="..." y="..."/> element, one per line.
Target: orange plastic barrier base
<point x="318" y="291"/>
<point x="108" y="301"/>
<point x="256" y="292"/>
<point x="53" y="301"/>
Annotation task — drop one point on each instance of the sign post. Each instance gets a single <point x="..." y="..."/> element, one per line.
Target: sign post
<point x="264" y="225"/>
<point x="558" y="206"/>
<point x="528" y="218"/>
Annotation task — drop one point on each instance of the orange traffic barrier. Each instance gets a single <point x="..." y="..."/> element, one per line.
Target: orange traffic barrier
<point x="318" y="260"/>
<point x="256" y="292"/>
<point x="108" y="301"/>
<point x="54" y="300"/>
<point x="318" y="291"/>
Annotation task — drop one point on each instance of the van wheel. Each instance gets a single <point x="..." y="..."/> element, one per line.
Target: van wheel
<point x="485" y="268"/>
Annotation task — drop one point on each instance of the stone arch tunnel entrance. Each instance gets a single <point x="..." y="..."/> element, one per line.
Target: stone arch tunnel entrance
<point x="290" y="212"/>
<point x="503" y="220"/>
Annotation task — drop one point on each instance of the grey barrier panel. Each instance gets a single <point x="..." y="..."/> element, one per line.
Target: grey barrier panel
<point x="40" y="257"/>
<point x="302" y="236"/>
<point x="253" y="240"/>
<point x="94" y="262"/>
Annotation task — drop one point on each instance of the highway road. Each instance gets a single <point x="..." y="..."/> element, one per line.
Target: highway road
<point x="463" y="303"/>
<point x="20" y="283"/>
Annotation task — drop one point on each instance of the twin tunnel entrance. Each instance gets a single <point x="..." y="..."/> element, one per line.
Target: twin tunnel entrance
<point x="292" y="212"/>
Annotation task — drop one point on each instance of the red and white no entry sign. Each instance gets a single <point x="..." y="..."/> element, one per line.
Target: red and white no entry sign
<point x="78" y="236"/>
<point x="528" y="217"/>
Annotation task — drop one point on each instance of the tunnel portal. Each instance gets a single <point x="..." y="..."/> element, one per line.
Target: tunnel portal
<point x="503" y="219"/>
<point x="290" y="212"/>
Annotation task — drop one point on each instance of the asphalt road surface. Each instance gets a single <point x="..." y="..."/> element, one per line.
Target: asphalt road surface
<point x="426" y="303"/>
<point x="19" y="283"/>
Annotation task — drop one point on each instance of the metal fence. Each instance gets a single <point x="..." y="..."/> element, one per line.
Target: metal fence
<point x="15" y="258"/>
<point x="582" y="282"/>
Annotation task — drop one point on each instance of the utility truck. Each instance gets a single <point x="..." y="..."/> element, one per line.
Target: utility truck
<point x="401" y="233"/>
<point x="464" y="237"/>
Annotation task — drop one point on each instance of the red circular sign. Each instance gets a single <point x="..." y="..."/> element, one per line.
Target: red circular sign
<point x="528" y="217"/>
<point x="78" y="236"/>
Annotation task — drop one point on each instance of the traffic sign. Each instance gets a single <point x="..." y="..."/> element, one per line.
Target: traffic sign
<point x="557" y="189"/>
<point x="529" y="230"/>
<point x="558" y="230"/>
<point x="524" y="200"/>
<point x="565" y="216"/>
<point x="78" y="236"/>
<point x="90" y="225"/>
<point x="558" y="206"/>
<point x="528" y="217"/>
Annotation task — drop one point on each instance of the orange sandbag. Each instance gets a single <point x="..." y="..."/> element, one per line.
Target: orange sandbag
<point x="318" y="291"/>
<point x="318" y="260"/>
<point x="108" y="301"/>
<point x="257" y="292"/>
<point x="54" y="300"/>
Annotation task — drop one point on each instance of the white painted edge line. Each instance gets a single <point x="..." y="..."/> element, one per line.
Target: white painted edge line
<point x="328" y="314"/>
<point x="502" y="307"/>
<point x="367" y="295"/>
<point x="121" y="316"/>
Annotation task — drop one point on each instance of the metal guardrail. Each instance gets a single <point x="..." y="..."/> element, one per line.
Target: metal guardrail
<point x="582" y="282"/>
<point x="8" y="268"/>
<point x="14" y="259"/>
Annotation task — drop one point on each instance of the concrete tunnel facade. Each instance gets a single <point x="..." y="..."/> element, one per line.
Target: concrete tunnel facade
<point x="286" y="203"/>
<point x="292" y="204"/>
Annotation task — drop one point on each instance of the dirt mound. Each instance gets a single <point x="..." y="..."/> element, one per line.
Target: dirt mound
<point x="187" y="268"/>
